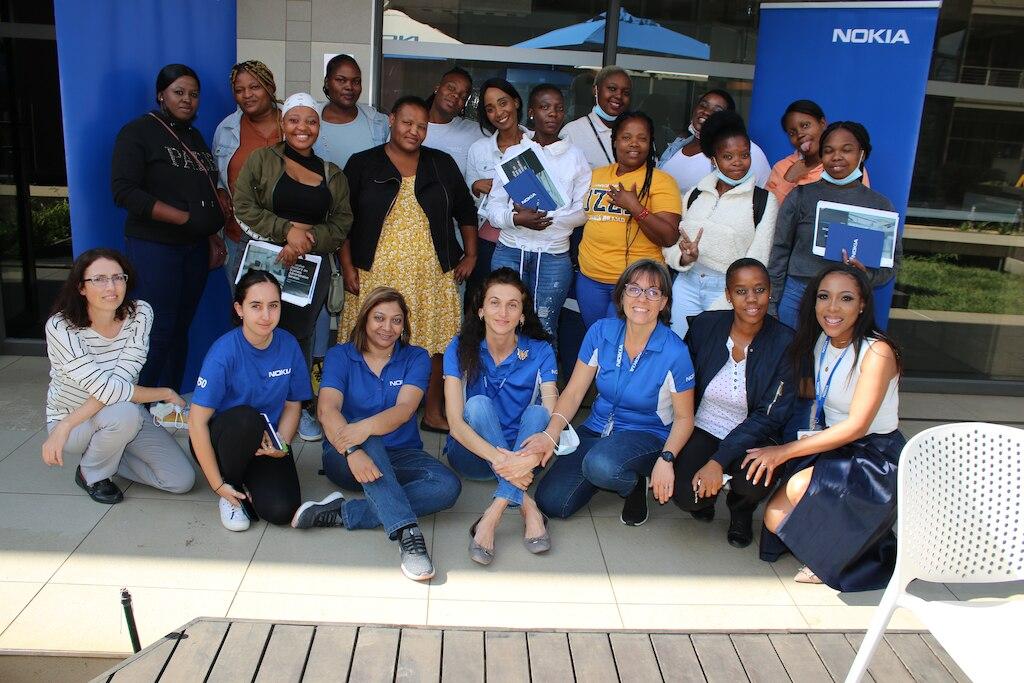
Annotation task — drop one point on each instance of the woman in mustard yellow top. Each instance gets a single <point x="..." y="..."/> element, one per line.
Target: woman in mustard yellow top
<point x="632" y="211"/>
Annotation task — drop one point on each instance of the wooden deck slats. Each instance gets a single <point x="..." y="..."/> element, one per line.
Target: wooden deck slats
<point x="419" y="656"/>
<point x="196" y="652"/>
<point x="677" y="658"/>
<point x="240" y="653"/>
<point x="331" y="654"/>
<point x="374" y="657"/>
<point x="224" y="650"/>
<point x="462" y="657"/>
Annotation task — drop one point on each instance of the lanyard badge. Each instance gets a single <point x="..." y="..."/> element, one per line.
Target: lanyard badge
<point x="820" y="391"/>
<point x="620" y="387"/>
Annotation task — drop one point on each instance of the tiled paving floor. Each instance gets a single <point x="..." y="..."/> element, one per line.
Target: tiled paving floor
<point x="64" y="558"/>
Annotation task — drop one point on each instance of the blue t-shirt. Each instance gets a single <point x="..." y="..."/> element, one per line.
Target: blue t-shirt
<point x="236" y="373"/>
<point x="639" y="400"/>
<point x="365" y="394"/>
<point x="514" y="385"/>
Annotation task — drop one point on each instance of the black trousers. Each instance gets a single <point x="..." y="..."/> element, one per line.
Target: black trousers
<point x="272" y="483"/>
<point x="301" y="320"/>
<point x="743" y="496"/>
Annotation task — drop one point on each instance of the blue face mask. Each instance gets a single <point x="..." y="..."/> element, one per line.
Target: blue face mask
<point x="853" y="177"/>
<point x="600" y="112"/>
<point x="733" y="183"/>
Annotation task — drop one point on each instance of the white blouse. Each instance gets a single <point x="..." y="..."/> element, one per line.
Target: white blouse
<point x="724" y="403"/>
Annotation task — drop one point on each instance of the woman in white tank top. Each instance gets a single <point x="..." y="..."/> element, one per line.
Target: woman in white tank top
<point x="836" y="505"/>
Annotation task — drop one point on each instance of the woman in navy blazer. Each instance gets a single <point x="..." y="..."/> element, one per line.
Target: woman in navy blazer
<point x="744" y="394"/>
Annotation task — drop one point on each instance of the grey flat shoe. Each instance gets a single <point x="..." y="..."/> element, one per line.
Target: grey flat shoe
<point x="477" y="552"/>
<point x="539" y="544"/>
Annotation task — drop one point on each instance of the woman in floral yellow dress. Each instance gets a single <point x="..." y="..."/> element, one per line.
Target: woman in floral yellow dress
<point x="405" y="198"/>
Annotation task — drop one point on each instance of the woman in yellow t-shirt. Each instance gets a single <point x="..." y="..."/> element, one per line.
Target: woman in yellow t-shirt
<point x="632" y="211"/>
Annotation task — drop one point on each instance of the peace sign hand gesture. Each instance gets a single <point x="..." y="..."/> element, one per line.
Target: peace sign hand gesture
<point x="689" y="249"/>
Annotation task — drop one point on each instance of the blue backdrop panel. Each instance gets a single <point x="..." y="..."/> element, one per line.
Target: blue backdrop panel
<point x="109" y="53"/>
<point x="861" y="61"/>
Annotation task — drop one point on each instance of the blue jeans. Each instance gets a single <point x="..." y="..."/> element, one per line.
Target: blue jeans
<point x="789" y="304"/>
<point x="614" y="462"/>
<point x="594" y="299"/>
<point x="693" y="292"/>
<point x="412" y="484"/>
<point x="171" y="279"/>
<point x="480" y="414"/>
<point x="547" y="276"/>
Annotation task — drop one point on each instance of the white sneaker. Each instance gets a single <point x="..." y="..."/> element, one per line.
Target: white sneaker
<point x="233" y="518"/>
<point x="309" y="428"/>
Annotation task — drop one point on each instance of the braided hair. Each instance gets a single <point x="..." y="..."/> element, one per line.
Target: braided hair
<point x="652" y="161"/>
<point x="261" y="73"/>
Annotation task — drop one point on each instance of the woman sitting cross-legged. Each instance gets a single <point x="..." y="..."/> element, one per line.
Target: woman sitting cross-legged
<point x="744" y="398"/>
<point x="369" y="393"/>
<point x="836" y="503"/>
<point x="494" y="373"/>
<point x="253" y="378"/>
<point x="643" y="413"/>
<point x="97" y="340"/>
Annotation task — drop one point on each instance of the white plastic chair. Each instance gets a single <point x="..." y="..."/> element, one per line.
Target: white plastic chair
<point x="961" y="520"/>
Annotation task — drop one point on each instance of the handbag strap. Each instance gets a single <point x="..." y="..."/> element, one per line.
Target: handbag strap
<point x="185" y="147"/>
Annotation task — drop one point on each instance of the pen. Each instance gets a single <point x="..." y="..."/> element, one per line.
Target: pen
<point x="696" y="488"/>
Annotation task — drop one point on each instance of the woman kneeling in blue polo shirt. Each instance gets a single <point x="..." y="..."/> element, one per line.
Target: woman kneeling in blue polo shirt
<point x="494" y="372"/>
<point x="253" y="372"/>
<point x="369" y="393"/>
<point x="643" y="413"/>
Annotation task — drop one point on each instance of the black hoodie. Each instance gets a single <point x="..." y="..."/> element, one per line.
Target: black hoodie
<point x="150" y="165"/>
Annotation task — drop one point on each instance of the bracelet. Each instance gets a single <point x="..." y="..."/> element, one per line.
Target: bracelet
<point x="567" y="423"/>
<point x="643" y="214"/>
<point x="550" y="437"/>
<point x="219" y="487"/>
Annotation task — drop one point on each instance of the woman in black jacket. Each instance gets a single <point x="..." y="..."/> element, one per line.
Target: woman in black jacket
<point x="162" y="172"/>
<point x="744" y="395"/>
<point x="404" y="199"/>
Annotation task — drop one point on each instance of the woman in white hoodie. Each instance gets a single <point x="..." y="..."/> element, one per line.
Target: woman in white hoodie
<point x="536" y="243"/>
<point x="725" y="217"/>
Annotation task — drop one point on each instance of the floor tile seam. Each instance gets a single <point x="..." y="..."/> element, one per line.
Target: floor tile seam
<point x="24" y="607"/>
<point x="245" y="573"/>
<point x="607" y="571"/>
<point x="31" y="435"/>
<point x="136" y="586"/>
<point x="529" y="602"/>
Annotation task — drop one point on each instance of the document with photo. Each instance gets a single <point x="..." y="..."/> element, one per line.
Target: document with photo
<point x="885" y="222"/>
<point x="529" y="182"/>
<point x="297" y="282"/>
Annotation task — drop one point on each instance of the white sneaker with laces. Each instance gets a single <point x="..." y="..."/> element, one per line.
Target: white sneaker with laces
<point x="233" y="518"/>
<point x="309" y="428"/>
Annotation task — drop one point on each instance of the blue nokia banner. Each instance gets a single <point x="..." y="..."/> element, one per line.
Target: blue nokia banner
<point x="109" y="53"/>
<point x="861" y="61"/>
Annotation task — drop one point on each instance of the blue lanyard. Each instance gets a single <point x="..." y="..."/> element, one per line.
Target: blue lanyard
<point x="620" y="386"/>
<point x="820" y="394"/>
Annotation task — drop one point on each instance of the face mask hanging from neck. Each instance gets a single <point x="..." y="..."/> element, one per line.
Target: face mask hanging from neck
<point x="693" y="131"/>
<point x="853" y="177"/>
<point x="733" y="183"/>
<point x="601" y="113"/>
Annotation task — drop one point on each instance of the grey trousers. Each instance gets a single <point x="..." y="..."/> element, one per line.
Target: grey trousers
<point x="121" y="438"/>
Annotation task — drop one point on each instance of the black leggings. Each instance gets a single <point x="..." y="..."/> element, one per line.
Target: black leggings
<point x="272" y="483"/>
<point x="743" y="496"/>
<point x="301" y="320"/>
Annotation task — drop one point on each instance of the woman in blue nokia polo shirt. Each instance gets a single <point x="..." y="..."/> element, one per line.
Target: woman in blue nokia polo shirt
<point x="643" y="413"/>
<point x="369" y="393"/>
<point x="253" y="378"/>
<point x="494" y="373"/>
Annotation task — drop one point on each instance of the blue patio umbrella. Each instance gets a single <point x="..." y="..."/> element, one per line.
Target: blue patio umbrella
<point x="635" y="33"/>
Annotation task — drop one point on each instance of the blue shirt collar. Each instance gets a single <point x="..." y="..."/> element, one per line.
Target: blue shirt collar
<point x="613" y="334"/>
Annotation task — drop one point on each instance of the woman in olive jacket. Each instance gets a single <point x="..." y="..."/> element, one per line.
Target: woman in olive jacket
<point x="287" y="195"/>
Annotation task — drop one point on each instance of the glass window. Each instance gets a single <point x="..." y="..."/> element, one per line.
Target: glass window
<point x="497" y="22"/>
<point x="722" y="31"/>
<point x="977" y="43"/>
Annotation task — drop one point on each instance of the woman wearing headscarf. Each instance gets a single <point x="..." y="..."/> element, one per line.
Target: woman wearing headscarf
<point x="255" y="124"/>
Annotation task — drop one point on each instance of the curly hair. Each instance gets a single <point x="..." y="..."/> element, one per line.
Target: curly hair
<point x="474" y="330"/>
<point x="719" y="127"/>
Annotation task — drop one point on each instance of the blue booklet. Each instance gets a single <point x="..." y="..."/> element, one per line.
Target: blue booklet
<point x="863" y="244"/>
<point x="527" y="189"/>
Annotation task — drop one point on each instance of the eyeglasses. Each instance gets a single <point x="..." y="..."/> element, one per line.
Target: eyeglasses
<point x="652" y="293"/>
<point x="104" y="280"/>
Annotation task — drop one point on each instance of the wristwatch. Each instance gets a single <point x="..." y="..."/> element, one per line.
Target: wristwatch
<point x="668" y="456"/>
<point x="350" y="450"/>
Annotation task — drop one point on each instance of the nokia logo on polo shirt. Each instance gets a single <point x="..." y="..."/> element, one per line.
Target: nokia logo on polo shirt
<point x="395" y="383"/>
<point x="885" y="36"/>
<point x="279" y="373"/>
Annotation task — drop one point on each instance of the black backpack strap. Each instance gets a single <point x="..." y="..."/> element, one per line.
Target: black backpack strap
<point x="760" y="202"/>
<point x="694" y="193"/>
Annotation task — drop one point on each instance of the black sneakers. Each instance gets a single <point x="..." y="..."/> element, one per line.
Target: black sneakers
<point x="323" y="513"/>
<point x="634" y="509"/>
<point x="104" y="491"/>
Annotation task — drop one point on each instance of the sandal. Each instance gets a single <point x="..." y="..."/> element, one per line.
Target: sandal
<point x="805" y="575"/>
